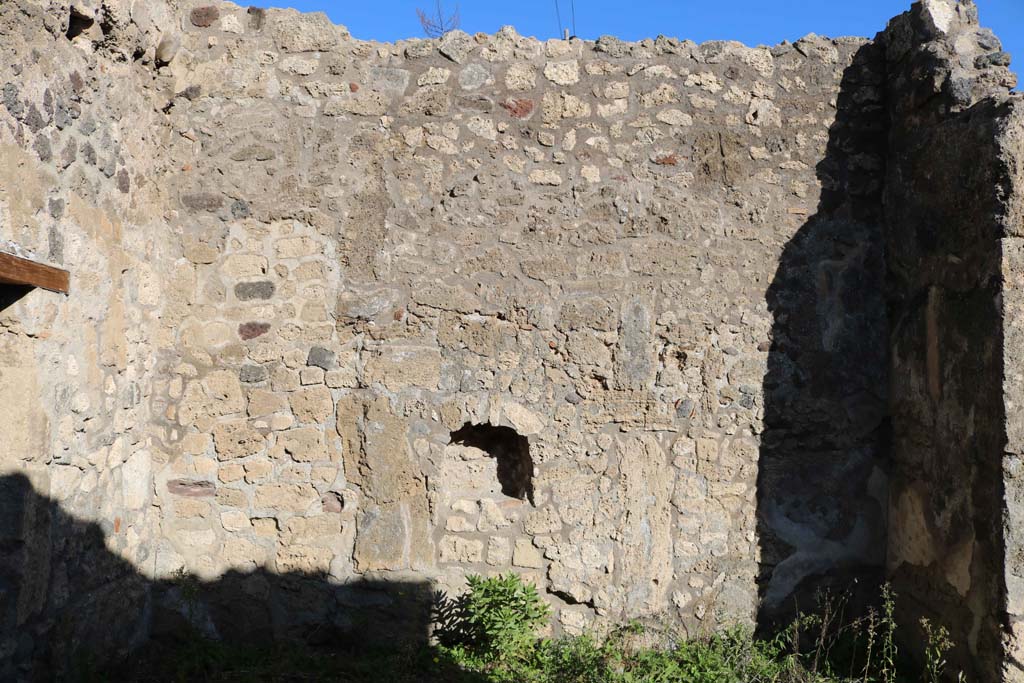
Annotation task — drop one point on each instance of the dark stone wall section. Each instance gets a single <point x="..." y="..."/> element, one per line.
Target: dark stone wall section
<point x="946" y="198"/>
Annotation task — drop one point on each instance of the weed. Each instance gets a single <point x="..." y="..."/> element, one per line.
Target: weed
<point x="935" y="650"/>
<point x="491" y="635"/>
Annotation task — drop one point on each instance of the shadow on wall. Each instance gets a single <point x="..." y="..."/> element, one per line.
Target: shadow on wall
<point x="68" y="604"/>
<point x="821" y="493"/>
<point x="11" y="294"/>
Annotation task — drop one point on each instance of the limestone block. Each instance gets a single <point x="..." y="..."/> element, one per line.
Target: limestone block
<point x="526" y="555"/>
<point x="469" y="471"/>
<point x="456" y="45"/>
<point x="242" y="554"/>
<point x="278" y="498"/>
<point x="344" y="377"/>
<point x="238" y="266"/>
<point x="225" y="392"/>
<point x="492" y="516"/>
<point x="545" y="176"/>
<point x="634" y="354"/>
<point x="574" y="619"/>
<point x="296" y="247"/>
<point x="310" y="376"/>
<point x="389" y="79"/>
<point x="263" y="402"/>
<point x="381" y="538"/>
<point x="257" y="470"/>
<point x="938" y="15"/>
<point x="230" y="497"/>
<point x="237" y="439"/>
<point x="543" y="521"/>
<point x="312" y="531"/>
<point x="364" y="103"/>
<point x="430" y="100"/>
<point x="763" y="113"/>
<point x="192" y="541"/>
<point x="458" y="524"/>
<point x="303" y="559"/>
<point x="401" y="367"/>
<point x="235" y="520"/>
<point x="482" y="126"/>
<point x="461" y="550"/>
<point x="137" y="480"/>
<point x="312" y="405"/>
<point x="613" y="109"/>
<point x="230" y="472"/>
<point x="563" y="73"/>
<point x="498" y="551"/>
<point x="300" y="65"/>
<point x="434" y="76"/>
<point x="265" y="527"/>
<point x="302" y="32"/>
<point x="303" y="444"/>
<point x="189" y="508"/>
<point x="647" y="533"/>
<point x="674" y="117"/>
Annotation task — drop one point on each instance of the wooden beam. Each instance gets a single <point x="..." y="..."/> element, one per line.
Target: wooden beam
<point x="15" y="270"/>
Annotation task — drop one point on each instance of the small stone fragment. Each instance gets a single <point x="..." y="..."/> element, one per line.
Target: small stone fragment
<point x="543" y="176"/>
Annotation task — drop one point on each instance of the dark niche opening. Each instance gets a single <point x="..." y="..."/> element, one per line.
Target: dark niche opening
<point x="509" y="448"/>
<point x="78" y="24"/>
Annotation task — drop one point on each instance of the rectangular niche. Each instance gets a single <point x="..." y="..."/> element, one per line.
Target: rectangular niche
<point x="495" y="461"/>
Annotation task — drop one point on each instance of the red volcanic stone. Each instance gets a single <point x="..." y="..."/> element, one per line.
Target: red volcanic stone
<point x="354" y="87"/>
<point x="203" y="17"/>
<point x="191" y="488"/>
<point x="252" y="330"/>
<point x="518" y="108"/>
<point x="667" y="160"/>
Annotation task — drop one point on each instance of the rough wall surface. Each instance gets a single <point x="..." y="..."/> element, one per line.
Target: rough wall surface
<point x="609" y="314"/>
<point x="77" y="137"/>
<point x="1011" y="218"/>
<point x="949" y="212"/>
<point x="387" y="243"/>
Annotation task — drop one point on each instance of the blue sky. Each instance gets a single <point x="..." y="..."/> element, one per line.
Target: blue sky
<point x="750" y="21"/>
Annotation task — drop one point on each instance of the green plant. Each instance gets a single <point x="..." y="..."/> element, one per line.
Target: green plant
<point x="502" y="616"/>
<point x="938" y="644"/>
<point x="493" y="637"/>
<point x="888" y="626"/>
<point x="188" y="584"/>
<point x="576" y="659"/>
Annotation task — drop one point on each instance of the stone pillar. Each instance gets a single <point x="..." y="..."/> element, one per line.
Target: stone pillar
<point x="1012" y="282"/>
<point x="951" y="256"/>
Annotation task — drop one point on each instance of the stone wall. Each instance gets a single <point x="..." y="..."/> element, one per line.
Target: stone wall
<point x="349" y="315"/>
<point x="386" y="244"/>
<point x="77" y="143"/>
<point x="949" y="212"/>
